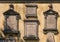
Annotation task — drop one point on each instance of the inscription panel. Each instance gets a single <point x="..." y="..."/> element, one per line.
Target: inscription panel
<point x="51" y="21"/>
<point x="12" y="22"/>
<point x="31" y="29"/>
<point x="30" y="10"/>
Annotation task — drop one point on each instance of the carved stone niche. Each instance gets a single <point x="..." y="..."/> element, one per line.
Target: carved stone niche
<point x="50" y="21"/>
<point x="31" y="29"/>
<point x="31" y="11"/>
<point x="11" y="21"/>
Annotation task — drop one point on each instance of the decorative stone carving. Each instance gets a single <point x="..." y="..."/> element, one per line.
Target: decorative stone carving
<point x="31" y="10"/>
<point x="11" y="21"/>
<point x="50" y="20"/>
<point x="50" y="37"/>
<point x="31" y="29"/>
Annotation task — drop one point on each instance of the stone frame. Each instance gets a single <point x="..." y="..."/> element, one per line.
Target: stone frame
<point x="46" y="14"/>
<point x="30" y="7"/>
<point x="33" y="37"/>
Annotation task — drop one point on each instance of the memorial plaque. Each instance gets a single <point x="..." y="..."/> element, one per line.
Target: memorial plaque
<point x="31" y="29"/>
<point x="51" y="22"/>
<point x="12" y="22"/>
<point x="31" y="10"/>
